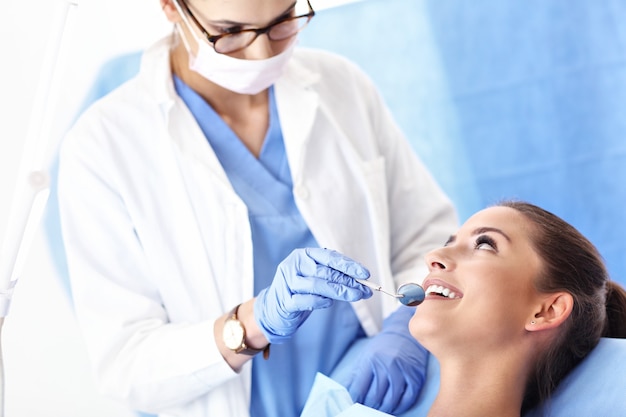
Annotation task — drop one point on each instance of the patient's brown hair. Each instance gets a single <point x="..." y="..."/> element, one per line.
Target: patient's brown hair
<point x="571" y="263"/>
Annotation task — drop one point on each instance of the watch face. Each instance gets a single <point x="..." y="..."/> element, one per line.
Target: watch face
<point x="233" y="334"/>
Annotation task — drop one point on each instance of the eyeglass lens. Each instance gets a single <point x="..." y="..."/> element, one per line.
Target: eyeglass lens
<point x="278" y="32"/>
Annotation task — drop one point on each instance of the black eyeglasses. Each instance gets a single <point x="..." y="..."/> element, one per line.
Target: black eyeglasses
<point x="235" y="41"/>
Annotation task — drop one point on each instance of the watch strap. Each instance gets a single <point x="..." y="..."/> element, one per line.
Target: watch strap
<point x="244" y="349"/>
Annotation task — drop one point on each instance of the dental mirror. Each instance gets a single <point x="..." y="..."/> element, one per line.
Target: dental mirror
<point x="409" y="294"/>
<point x="412" y="294"/>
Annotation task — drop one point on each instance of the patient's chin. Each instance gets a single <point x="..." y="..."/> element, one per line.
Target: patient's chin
<point x="424" y="330"/>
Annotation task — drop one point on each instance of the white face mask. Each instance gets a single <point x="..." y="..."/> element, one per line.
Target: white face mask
<point x="243" y="76"/>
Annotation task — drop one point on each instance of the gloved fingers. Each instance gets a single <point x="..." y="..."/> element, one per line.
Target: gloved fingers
<point x="324" y="272"/>
<point x="334" y="275"/>
<point x="385" y="385"/>
<point x="409" y="395"/>
<point x="396" y="385"/>
<point x="395" y="390"/>
<point x="380" y="393"/>
<point x="359" y="385"/>
<point x="328" y="283"/>
<point x="339" y="262"/>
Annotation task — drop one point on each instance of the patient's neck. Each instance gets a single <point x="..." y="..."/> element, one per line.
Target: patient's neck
<point x="491" y="385"/>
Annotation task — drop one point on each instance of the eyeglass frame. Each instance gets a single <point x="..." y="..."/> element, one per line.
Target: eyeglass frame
<point x="212" y="39"/>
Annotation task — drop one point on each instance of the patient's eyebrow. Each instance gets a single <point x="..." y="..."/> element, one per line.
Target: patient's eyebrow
<point x="482" y="230"/>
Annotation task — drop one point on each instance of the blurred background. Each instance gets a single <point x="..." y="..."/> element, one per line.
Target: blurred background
<point x="500" y="99"/>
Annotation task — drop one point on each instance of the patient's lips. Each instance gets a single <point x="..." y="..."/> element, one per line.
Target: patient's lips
<point x="437" y="289"/>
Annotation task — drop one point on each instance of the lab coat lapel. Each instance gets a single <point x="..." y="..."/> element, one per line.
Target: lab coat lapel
<point x="181" y="124"/>
<point x="216" y="210"/>
<point x="297" y="108"/>
<point x="193" y="143"/>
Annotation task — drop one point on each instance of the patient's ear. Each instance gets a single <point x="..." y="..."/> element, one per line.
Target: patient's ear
<point x="551" y="311"/>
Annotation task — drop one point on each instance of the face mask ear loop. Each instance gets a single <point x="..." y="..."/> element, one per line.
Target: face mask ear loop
<point x="180" y="30"/>
<point x="181" y="33"/>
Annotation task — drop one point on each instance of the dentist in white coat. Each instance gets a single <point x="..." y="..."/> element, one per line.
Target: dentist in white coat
<point x="197" y="201"/>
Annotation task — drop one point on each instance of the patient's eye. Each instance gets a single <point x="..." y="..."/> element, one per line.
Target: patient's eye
<point x="485" y="242"/>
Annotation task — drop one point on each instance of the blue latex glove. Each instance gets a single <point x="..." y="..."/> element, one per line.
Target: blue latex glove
<point x="391" y="369"/>
<point x="306" y="280"/>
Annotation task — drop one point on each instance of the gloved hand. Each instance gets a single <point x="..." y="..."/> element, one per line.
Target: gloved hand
<point x="306" y="280"/>
<point x="390" y="370"/>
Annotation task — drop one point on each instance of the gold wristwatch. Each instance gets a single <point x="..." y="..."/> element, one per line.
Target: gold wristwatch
<point x="234" y="336"/>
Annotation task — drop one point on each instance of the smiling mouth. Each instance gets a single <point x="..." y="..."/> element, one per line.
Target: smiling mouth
<point x="441" y="291"/>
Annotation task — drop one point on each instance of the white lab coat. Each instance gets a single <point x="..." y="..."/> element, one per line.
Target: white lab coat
<point x="159" y="244"/>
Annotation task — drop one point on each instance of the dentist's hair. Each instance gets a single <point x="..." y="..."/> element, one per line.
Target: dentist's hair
<point x="571" y="263"/>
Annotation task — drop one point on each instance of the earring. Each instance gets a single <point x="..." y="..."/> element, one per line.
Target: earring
<point x="532" y="322"/>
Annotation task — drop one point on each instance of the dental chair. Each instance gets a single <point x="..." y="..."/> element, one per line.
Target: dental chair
<point x="596" y="387"/>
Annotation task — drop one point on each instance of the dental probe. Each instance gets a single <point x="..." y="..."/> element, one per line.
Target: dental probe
<point x="377" y="287"/>
<point x="408" y="294"/>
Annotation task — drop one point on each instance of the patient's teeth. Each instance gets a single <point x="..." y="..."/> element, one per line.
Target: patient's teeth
<point x="441" y="290"/>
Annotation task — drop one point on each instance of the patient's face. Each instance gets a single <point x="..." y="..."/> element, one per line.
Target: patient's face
<point x="485" y="274"/>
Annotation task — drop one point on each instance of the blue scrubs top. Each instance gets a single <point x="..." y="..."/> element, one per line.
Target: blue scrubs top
<point x="281" y="384"/>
